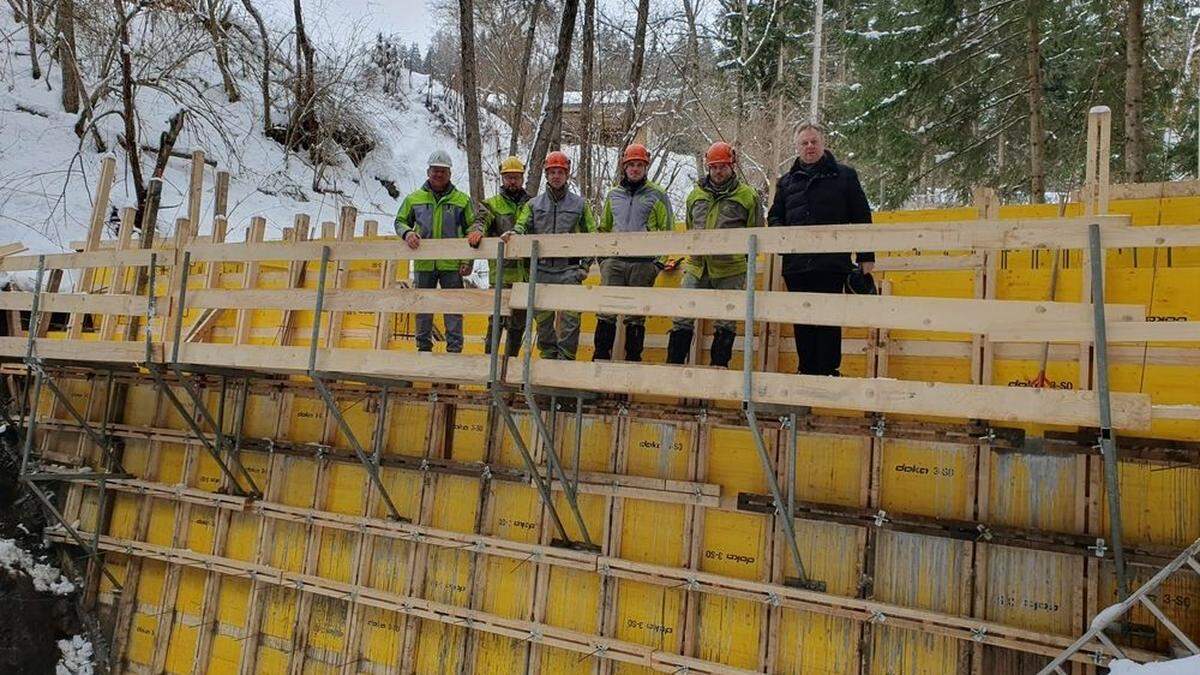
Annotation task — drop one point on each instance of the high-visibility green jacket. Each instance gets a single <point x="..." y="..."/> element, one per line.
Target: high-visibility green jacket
<point x="447" y="217"/>
<point x="495" y="216"/>
<point x="735" y="204"/>
<point x="548" y="214"/>
<point x="644" y="209"/>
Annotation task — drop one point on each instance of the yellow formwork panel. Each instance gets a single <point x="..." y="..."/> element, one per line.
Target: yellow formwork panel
<point x="305" y="420"/>
<point x="1040" y="492"/>
<point x="1160" y="506"/>
<point x="653" y="532"/>
<point x="733" y="544"/>
<point x="927" y="479"/>
<point x="832" y="469"/>
<point x="926" y="573"/>
<point x="455" y="506"/>
<point x="182" y="648"/>
<point x="1178" y="597"/>
<point x="1037" y="590"/>
<point x="326" y="634"/>
<point x="201" y="524"/>
<point x="143" y="635"/>
<point x="470" y="432"/>
<point x="408" y="428"/>
<point x="818" y="643"/>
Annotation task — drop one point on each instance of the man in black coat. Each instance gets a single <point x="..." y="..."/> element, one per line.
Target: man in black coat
<point x="818" y="190"/>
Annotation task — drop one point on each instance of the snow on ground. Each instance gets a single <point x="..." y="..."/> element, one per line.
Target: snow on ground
<point x="46" y="578"/>
<point x="1188" y="666"/>
<point x="47" y="175"/>
<point x="76" y="656"/>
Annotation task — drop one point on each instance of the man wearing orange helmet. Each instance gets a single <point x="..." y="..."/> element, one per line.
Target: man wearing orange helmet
<point x="720" y="201"/>
<point x="634" y="205"/>
<point x="556" y="210"/>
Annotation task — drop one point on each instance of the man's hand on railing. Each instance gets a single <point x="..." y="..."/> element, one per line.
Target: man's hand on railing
<point x="504" y="237"/>
<point x="413" y="239"/>
<point x="474" y="238"/>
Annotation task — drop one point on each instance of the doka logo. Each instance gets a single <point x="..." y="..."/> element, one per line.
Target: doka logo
<point x="912" y="468"/>
<point x="1166" y="318"/>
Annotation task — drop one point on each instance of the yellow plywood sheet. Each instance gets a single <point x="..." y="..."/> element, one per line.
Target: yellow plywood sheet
<point x="902" y="575"/>
<point x="1037" y="590"/>
<point x="1178" y="597"/>
<point x="928" y="479"/>
<point x="1034" y="491"/>
<point x="408" y="428"/>
<point x="1159" y="505"/>
<point x="832" y="469"/>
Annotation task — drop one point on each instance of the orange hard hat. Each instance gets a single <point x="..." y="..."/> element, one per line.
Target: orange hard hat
<point x="558" y="160"/>
<point x="719" y="153"/>
<point x="636" y="152"/>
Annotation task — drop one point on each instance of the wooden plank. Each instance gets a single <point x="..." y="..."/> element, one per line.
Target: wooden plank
<point x="86" y="260"/>
<point x="895" y="312"/>
<point x="1010" y="404"/>
<point x="1178" y="188"/>
<point x="12" y="249"/>
<point x="258" y="229"/>
<point x="1121" y="331"/>
<point x="83" y="303"/>
<point x="195" y="188"/>
<point x="221" y="196"/>
<point x="943" y="236"/>
<point x="88" y="351"/>
<point x="437" y="367"/>
<point x="404" y="300"/>
<point x="119" y="284"/>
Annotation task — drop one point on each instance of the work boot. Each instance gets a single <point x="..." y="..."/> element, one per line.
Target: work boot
<point x="722" y="347"/>
<point x="678" y="345"/>
<point x="635" y="337"/>
<point x="606" y="333"/>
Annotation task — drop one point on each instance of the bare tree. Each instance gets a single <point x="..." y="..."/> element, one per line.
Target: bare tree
<point x="1135" y="152"/>
<point x="216" y="14"/>
<point x="1033" y="56"/>
<point x="518" y="113"/>
<point x="635" y="72"/>
<point x="31" y="23"/>
<point x="130" y="140"/>
<point x="550" y="119"/>
<point x="64" y="21"/>
<point x="303" y="119"/>
<point x="586" y="95"/>
<point x="466" y="20"/>
<point x="266" y="69"/>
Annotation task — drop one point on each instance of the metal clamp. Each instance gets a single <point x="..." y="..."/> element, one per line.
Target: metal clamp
<point x="881" y="518"/>
<point x="1100" y="548"/>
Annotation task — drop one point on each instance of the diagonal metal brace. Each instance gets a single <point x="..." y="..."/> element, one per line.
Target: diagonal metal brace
<point x="371" y="465"/>
<point x="783" y="509"/>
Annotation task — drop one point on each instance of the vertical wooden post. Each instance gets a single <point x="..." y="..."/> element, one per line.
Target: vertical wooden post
<point x="195" y="188"/>
<point x="245" y="317"/>
<point x="221" y="195"/>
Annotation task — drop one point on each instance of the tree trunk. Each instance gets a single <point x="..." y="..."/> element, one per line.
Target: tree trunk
<point x="466" y="19"/>
<point x="585" y="100"/>
<point x="552" y="106"/>
<point x="213" y="24"/>
<point x="814" y="109"/>
<point x="1135" y="151"/>
<point x="519" y="106"/>
<point x="302" y="120"/>
<point x="635" y="72"/>
<point x="35" y="70"/>
<point x="65" y="27"/>
<point x="743" y="54"/>
<point x="130" y="141"/>
<point x="693" y="41"/>
<point x="266" y="71"/>
<point x="1033" y="62"/>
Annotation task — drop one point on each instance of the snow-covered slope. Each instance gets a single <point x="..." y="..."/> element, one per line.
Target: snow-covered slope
<point x="48" y="175"/>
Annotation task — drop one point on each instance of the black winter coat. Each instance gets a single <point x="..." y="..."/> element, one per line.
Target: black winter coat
<point x="825" y="193"/>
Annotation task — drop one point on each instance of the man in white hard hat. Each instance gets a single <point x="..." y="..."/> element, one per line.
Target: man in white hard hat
<point x="437" y="210"/>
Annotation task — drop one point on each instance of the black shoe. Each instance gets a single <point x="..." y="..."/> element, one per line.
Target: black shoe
<point x="678" y="345"/>
<point x="722" y="348"/>
<point x="606" y="333"/>
<point x="635" y="337"/>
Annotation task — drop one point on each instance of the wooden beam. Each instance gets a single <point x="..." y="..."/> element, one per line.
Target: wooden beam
<point x="89" y="303"/>
<point x="969" y="235"/>
<point x="12" y="249"/>
<point x="403" y="300"/>
<point x="1069" y="320"/>
<point x="1127" y="331"/>
<point x="84" y="351"/>
<point x="1008" y="404"/>
<point x="86" y="260"/>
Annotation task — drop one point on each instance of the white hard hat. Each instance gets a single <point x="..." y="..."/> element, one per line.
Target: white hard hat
<point x="440" y="158"/>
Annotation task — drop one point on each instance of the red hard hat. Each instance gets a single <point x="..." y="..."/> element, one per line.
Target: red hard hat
<point x="719" y="153"/>
<point x="558" y="160"/>
<point x="636" y="152"/>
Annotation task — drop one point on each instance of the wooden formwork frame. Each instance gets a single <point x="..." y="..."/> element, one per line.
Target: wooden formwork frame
<point x="215" y="256"/>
